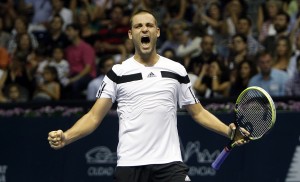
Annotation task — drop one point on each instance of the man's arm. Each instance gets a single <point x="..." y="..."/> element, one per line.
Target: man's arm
<point x="83" y="127"/>
<point x="208" y="120"/>
<point x="211" y="122"/>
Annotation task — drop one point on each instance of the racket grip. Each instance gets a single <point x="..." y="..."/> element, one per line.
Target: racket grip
<point x="220" y="159"/>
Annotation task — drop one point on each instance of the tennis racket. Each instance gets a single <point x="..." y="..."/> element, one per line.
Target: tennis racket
<point x="254" y="111"/>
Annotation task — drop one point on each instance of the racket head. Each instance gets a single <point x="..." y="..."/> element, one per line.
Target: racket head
<point x="255" y="111"/>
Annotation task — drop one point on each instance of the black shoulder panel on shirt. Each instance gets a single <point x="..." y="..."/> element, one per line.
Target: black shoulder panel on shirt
<point x="180" y="79"/>
<point x="125" y="78"/>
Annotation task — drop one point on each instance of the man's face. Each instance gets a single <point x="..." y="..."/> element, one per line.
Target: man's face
<point x="207" y="44"/>
<point x="280" y="23"/>
<point x="144" y="33"/>
<point x="71" y="33"/>
<point x="265" y="64"/>
<point x="238" y="44"/>
<point x="243" y="27"/>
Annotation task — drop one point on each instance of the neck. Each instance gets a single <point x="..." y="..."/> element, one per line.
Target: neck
<point x="147" y="60"/>
<point x="76" y="41"/>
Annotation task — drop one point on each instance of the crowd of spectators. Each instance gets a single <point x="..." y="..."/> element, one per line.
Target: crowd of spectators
<point x="61" y="50"/>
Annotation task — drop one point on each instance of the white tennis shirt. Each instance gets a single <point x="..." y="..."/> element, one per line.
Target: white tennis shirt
<point x="147" y="105"/>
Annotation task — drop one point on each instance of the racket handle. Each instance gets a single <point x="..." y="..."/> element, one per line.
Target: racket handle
<point x="220" y="159"/>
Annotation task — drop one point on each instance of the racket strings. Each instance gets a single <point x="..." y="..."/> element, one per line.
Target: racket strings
<point x="254" y="113"/>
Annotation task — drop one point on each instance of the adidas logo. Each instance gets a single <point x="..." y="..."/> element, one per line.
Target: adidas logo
<point x="151" y="75"/>
<point x="187" y="178"/>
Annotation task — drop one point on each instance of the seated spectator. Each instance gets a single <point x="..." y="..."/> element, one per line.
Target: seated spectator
<point x="283" y="54"/>
<point x="292" y="87"/>
<point x="15" y="93"/>
<point x="206" y="56"/>
<point x="270" y="79"/>
<point x="175" y="34"/>
<point x="4" y="36"/>
<point x="281" y="25"/>
<point x="106" y="63"/>
<point x="54" y="36"/>
<point x="292" y="68"/>
<point x="17" y="73"/>
<point x="244" y="27"/>
<point x="62" y="66"/>
<point x="240" y="80"/>
<point x="213" y="81"/>
<point x="266" y="17"/>
<point x="238" y="51"/>
<point x="87" y="33"/>
<point x="50" y="88"/>
<point x="110" y="38"/>
<point x="58" y="8"/>
<point x="189" y="46"/>
<point x="20" y="28"/>
<point x="81" y="58"/>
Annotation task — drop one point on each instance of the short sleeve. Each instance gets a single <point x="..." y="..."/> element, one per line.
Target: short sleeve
<point x="108" y="88"/>
<point x="186" y="93"/>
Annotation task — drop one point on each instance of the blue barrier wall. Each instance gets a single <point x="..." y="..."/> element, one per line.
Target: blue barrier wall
<point x="25" y="154"/>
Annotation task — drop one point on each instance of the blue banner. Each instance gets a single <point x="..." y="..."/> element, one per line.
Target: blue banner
<point x="25" y="154"/>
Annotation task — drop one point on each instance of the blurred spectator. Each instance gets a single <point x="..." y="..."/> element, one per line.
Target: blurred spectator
<point x="281" y="24"/>
<point x="40" y="10"/>
<point x="49" y="89"/>
<point x="157" y="7"/>
<point x="292" y="88"/>
<point x="4" y="58"/>
<point x="20" y="28"/>
<point x="4" y="36"/>
<point x="238" y="51"/>
<point x="87" y="33"/>
<point x="24" y="49"/>
<point x="214" y="25"/>
<point x="94" y="11"/>
<point x="245" y="71"/>
<point x="176" y="9"/>
<point x="58" y="8"/>
<point x="37" y="62"/>
<point x="170" y="54"/>
<point x="270" y="79"/>
<point x="81" y="58"/>
<point x="55" y="37"/>
<point x="283" y="54"/>
<point x="207" y="54"/>
<point x="111" y="36"/>
<point x="7" y="14"/>
<point x="233" y="10"/>
<point x="189" y="46"/>
<point x="292" y="63"/>
<point x="126" y="52"/>
<point x="175" y="35"/>
<point x="15" y="93"/>
<point x="244" y="27"/>
<point x="266" y="17"/>
<point x="17" y="73"/>
<point x="213" y="81"/>
<point x="62" y="66"/>
<point x="105" y="65"/>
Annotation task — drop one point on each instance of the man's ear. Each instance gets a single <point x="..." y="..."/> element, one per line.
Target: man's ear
<point x="129" y="34"/>
<point x="158" y="32"/>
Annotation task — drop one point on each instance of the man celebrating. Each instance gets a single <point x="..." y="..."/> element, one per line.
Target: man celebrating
<point x="148" y="88"/>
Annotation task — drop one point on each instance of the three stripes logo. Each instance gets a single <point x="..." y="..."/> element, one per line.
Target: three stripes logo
<point x="151" y="75"/>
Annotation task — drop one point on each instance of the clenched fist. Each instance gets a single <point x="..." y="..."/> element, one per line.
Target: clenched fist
<point x="57" y="139"/>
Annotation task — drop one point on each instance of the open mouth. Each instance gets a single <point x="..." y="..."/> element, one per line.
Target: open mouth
<point x="145" y="40"/>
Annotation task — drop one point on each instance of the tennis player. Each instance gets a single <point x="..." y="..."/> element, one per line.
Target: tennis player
<point x="148" y="89"/>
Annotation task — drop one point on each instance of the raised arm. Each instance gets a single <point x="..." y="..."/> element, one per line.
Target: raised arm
<point x="83" y="127"/>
